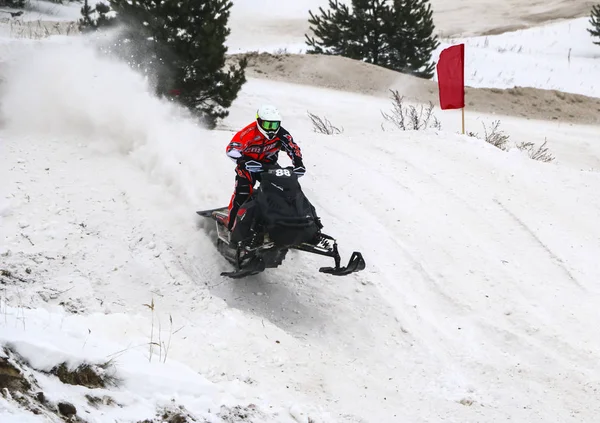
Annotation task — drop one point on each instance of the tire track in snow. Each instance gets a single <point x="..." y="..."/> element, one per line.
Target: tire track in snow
<point x="557" y="260"/>
<point x="383" y="176"/>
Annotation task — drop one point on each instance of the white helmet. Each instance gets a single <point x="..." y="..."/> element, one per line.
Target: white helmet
<point x="268" y="120"/>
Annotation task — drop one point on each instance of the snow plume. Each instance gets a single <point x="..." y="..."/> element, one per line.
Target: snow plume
<point x="65" y="87"/>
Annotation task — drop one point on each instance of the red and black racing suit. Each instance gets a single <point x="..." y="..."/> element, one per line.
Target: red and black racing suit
<point x="251" y="144"/>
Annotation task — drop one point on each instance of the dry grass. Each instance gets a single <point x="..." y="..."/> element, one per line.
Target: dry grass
<point x="409" y="117"/>
<point x="323" y="125"/>
<point x="541" y="153"/>
<point x="495" y="136"/>
<point x="37" y="30"/>
<point x="163" y="346"/>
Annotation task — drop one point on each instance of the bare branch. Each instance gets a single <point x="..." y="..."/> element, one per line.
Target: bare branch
<point x="323" y="126"/>
<point x="411" y="117"/>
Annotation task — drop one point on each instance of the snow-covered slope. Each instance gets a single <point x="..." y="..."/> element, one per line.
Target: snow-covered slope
<point x="559" y="56"/>
<point x="479" y="301"/>
<point x="135" y="388"/>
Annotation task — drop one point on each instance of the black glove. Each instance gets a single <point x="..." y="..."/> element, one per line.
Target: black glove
<point x="299" y="168"/>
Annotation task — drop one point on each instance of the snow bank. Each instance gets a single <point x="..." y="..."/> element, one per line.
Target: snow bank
<point x="144" y="386"/>
<point x="559" y="56"/>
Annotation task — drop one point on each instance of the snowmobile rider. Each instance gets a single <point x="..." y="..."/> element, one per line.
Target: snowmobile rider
<point x="257" y="144"/>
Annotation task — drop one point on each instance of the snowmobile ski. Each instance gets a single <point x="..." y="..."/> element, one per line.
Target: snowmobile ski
<point x="210" y="213"/>
<point x="254" y="267"/>
<point x="355" y="264"/>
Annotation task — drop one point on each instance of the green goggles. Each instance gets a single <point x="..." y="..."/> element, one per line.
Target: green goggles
<point x="269" y="125"/>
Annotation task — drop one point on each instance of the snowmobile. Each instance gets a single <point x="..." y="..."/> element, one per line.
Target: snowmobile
<point x="277" y="217"/>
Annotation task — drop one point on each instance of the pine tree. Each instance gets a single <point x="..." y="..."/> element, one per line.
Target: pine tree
<point x="333" y="28"/>
<point x="595" y="21"/>
<point x="368" y="29"/>
<point x="101" y="10"/>
<point x="411" y="38"/>
<point x="17" y="4"/>
<point x="86" y="23"/>
<point x="181" y="44"/>
<point x="396" y="34"/>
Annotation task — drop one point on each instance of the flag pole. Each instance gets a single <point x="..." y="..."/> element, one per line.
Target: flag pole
<point x="463" y="120"/>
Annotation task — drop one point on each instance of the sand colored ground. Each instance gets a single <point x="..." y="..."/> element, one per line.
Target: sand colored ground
<point x="349" y="75"/>
<point x="486" y="17"/>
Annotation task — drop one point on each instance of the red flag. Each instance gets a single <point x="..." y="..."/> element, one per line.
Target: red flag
<point x="451" y="77"/>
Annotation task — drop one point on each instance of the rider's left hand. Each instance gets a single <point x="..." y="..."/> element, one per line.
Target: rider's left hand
<point x="300" y="170"/>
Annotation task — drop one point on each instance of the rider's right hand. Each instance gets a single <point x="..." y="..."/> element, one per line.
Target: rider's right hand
<point x="253" y="166"/>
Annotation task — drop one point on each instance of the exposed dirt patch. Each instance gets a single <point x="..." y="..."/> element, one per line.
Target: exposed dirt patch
<point x="90" y="376"/>
<point x="18" y="384"/>
<point x="11" y="378"/>
<point x="67" y="409"/>
<point x="324" y="71"/>
<point x="176" y="414"/>
<point x="95" y="401"/>
<point x="239" y="414"/>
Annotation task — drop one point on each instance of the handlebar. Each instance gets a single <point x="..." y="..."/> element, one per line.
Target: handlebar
<point x="258" y="167"/>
